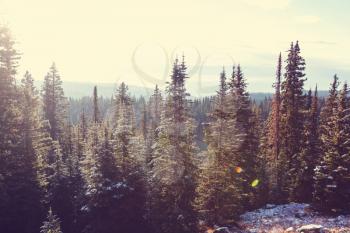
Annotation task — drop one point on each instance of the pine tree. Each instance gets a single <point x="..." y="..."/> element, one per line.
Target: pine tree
<point x="272" y="143"/>
<point x="310" y="150"/>
<point x="114" y="187"/>
<point x="342" y="173"/>
<point x="243" y="117"/>
<point x="291" y="121"/>
<point x="96" y="110"/>
<point x="53" y="175"/>
<point x="83" y="126"/>
<point x="323" y="180"/>
<point x="262" y="188"/>
<point x="121" y="98"/>
<point x="10" y="117"/>
<point x="155" y="102"/>
<point x="331" y="175"/>
<point x="154" y="118"/>
<point x="17" y="169"/>
<point x="52" y="225"/>
<point x="173" y="169"/>
<point x="128" y="148"/>
<point x="31" y="194"/>
<point x="103" y="184"/>
<point x="218" y="197"/>
<point x="54" y="107"/>
<point x="123" y="130"/>
<point x="144" y="123"/>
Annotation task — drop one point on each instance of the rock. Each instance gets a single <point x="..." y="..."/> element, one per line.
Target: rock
<point x="270" y="206"/>
<point x="222" y="230"/>
<point x="290" y="229"/>
<point x="300" y="215"/>
<point x="230" y="230"/>
<point x="312" y="228"/>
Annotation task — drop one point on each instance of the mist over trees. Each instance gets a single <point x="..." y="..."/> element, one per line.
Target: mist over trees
<point x="167" y="163"/>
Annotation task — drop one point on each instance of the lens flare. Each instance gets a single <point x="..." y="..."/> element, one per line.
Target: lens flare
<point x="210" y="230"/>
<point x="238" y="169"/>
<point x="255" y="183"/>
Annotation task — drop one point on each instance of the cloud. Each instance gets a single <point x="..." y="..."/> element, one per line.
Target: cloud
<point x="268" y="4"/>
<point x="307" y="19"/>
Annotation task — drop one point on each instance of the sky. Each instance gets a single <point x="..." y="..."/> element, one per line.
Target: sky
<point x="137" y="41"/>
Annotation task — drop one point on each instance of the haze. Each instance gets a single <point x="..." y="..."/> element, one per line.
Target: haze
<point x="97" y="41"/>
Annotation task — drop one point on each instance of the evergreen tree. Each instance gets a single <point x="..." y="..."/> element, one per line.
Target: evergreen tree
<point x="128" y="148"/>
<point x="273" y="144"/>
<point x="83" y="126"/>
<point x="219" y="196"/>
<point x="53" y="175"/>
<point x="103" y="185"/>
<point x="331" y="174"/>
<point x="310" y="150"/>
<point x="154" y="118"/>
<point x="155" y="102"/>
<point x="96" y="110"/>
<point x="52" y="225"/>
<point x="292" y="102"/>
<point x="54" y="103"/>
<point x="144" y="123"/>
<point x="261" y="183"/>
<point x="173" y="169"/>
<point x="19" y="192"/>
<point x="114" y="187"/>
<point x="244" y="119"/>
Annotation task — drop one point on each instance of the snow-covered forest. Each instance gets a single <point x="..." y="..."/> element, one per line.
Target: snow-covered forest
<point x="171" y="163"/>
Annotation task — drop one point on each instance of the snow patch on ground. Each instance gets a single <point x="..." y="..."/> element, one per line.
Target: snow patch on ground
<point x="279" y="218"/>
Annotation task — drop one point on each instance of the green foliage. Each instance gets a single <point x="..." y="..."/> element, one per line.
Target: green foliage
<point x="136" y="167"/>
<point x="332" y="182"/>
<point x="219" y="193"/>
<point x="173" y="171"/>
<point x="52" y="224"/>
<point x="291" y="122"/>
<point x="54" y="103"/>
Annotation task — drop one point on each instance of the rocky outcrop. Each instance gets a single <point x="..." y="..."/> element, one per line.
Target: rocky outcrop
<point x="311" y="228"/>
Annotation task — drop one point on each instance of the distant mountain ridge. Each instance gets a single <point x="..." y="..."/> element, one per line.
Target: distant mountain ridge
<point x="80" y="89"/>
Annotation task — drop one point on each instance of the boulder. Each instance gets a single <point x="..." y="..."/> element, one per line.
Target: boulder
<point x="229" y="230"/>
<point x="312" y="228"/>
<point x="222" y="230"/>
<point x="270" y="206"/>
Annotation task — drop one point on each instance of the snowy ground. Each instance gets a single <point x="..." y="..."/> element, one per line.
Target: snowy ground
<point x="290" y="217"/>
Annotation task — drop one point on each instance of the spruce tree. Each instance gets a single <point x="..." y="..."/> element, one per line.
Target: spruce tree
<point x="96" y="111"/>
<point x="54" y="103"/>
<point x="219" y="194"/>
<point x="103" y="185"/>
<point x="243" y="118"/>
<point x="52" y="224"/>
<point x="273" y="144"/>
<point x="128" y="148"/>
<point x="19" y="192"/>
<point x="173" y="168"/>
<point x="114" y="199"/>
<point x="262" y="189"/>
<point x="53" y="175"/>
<point x="331" y="174"/>
<point x="154" y="117"/>
<point x="291" y="121"/>
<point x="83" y="126"/>
<point x="156" y="103"/>
<point x="310" y="150"/>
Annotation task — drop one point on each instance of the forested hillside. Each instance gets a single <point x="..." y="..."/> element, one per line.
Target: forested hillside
<point x="168" y="163"/>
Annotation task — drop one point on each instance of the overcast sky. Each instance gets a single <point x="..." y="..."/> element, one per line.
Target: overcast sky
<point x="136" y="41"/>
